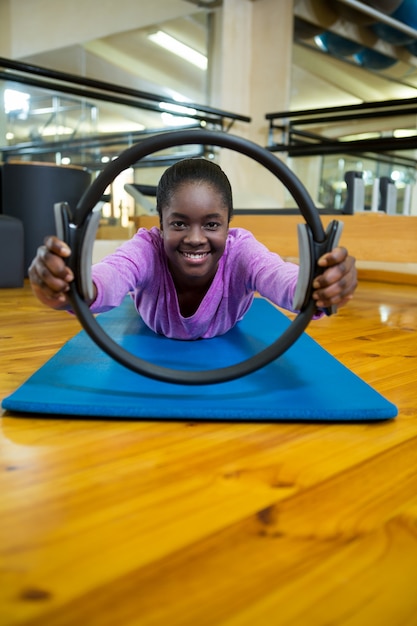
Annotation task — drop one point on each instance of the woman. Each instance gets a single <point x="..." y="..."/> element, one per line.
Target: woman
<point x="194" y="276"/>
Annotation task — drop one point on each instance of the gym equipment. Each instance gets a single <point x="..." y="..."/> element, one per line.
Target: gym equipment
<point x="388" y="195"/>
<point x="78" y="230"/>
<point x="29" y="191"/>
<point x="406" y="12"/>
<point x="306" y="384"/>
<point x="355" y="196"/>
<point x="338" y="46"/>
<point x="374" y="60"/>
<point x="391" y="35"/>
<point x="385" y="6"/>
<point x="11" y="252"/>
<point x="305" y="30"/>
<point x="412" y="47"/>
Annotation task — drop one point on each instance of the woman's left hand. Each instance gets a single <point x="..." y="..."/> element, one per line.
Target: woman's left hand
<point x="335" y="286"/>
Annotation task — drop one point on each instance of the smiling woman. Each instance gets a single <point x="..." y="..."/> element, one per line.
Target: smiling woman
<point x="194" y="203"/>
<point x="140" y="267"/>
<point x="194" y="229"/>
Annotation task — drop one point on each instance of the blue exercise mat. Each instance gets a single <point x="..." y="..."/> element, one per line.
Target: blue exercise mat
<point x="305" y="384"/>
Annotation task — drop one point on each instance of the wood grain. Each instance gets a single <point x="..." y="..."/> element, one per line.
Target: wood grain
<point x="213" y="524"/>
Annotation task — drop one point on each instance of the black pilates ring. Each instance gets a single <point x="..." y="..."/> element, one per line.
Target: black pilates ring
<point x="92" y="197"/>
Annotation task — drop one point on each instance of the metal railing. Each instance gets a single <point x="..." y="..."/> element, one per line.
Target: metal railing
<point x="87" y="143"/>
<point x="298" y="141"/>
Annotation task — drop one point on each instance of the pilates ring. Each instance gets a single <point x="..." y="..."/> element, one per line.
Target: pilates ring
<point x="78" y="229"/>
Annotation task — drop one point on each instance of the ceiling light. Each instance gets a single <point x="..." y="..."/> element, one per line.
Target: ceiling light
<point x="173" y="120"/>
<point x="17" y="102"/>
<point x="51" y="131"/>
<point x="177" y="108"/>
<point x="179" y="48"/>
<point x="405" y="132"/>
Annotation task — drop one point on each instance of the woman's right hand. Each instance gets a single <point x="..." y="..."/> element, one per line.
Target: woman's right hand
<point x="49" y="275"/>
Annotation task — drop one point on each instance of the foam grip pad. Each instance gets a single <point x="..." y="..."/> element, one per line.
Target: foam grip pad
<point x="309" y="253"/>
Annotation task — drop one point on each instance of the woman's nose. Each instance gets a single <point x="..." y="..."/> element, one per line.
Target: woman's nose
<point x="195" y="235"/>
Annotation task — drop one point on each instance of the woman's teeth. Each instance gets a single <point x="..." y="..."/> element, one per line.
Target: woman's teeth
<point x="195" y="255"/>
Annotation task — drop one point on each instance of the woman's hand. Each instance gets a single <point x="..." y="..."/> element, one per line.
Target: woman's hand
<point x="336" y="285"/>
<point x="49" y="275"/>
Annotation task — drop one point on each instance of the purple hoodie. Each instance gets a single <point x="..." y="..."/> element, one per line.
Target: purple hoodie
<point x="139" y="267"/>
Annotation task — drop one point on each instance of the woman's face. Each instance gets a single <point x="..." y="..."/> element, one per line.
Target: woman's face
<point x="194" y="228"/>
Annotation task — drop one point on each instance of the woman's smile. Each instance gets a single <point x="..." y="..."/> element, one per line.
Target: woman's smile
<point x="195" y="257"/>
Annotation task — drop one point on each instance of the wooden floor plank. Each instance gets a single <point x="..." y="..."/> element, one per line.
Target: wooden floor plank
<point x="215" y="524"/>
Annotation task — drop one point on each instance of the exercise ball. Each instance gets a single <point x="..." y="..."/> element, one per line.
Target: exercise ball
<point x="338" y="46"/>
<point x="391" y="35"/>
<point x="384" y="6"/>
<point x="305" y="30"/>
<point x="412" y="47"/>
<point x="406" y="12"/>
<point x="324" y="12"/>
<point x="373" y="60"/>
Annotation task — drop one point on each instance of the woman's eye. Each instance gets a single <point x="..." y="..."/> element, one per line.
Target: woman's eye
<point x="212" y="225"/>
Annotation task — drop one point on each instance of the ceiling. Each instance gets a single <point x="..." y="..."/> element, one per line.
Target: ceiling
<point x="130" y="59"/>
<point x="318" y="80"/>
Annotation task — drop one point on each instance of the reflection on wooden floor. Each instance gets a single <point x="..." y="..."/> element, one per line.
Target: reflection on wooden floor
<point x="187" y="524"/>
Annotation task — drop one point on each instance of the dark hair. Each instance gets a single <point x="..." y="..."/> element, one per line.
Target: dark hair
<point x="193" y="170"/>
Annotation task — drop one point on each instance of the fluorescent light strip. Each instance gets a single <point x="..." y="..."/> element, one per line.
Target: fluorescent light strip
<point x="179" y="48"/>
<point x="177" y="108"/>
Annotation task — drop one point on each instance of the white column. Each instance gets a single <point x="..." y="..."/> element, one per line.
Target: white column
<point x="5" y="27"/>
<point x="250" y="56"/>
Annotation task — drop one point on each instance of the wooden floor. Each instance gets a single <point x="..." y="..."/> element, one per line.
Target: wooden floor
<point x="202" y="524"/>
